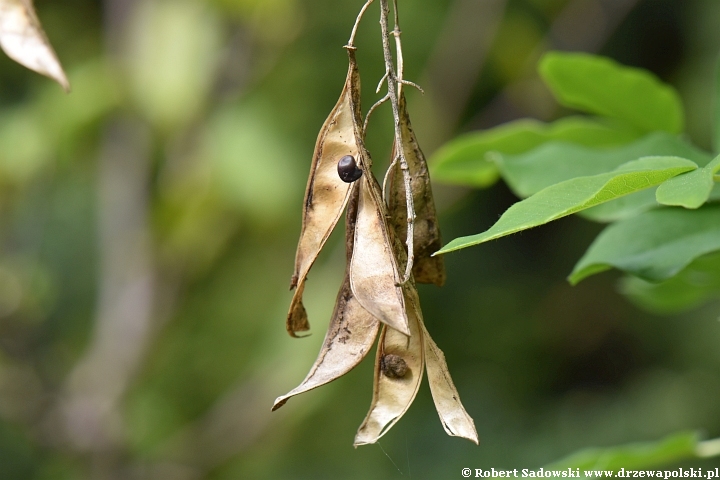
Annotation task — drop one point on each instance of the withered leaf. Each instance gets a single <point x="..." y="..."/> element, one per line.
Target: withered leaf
<point x="393" y="396"/>
<point x="426" y="235"/>
<point x="23" y="39"/>
<point x="374" y="275"/>
<point x="351" y="333"/>
<point x="455" y="420"/>
<point x="326" y="194"/>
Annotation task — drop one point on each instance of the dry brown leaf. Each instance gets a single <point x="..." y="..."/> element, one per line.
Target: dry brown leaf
<point x="326" y="194"/>
<point x="23" y="39"/>
<point x="426" y="235"/>
<point x="352" y="329"/>
<point x="455" y="420"/>
<point x="374" y="275"/>
<point x="393" y="396"/>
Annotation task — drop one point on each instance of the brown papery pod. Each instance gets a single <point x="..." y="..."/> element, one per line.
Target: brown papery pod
<point x="426" y="235"/>
<point x="392" y="396"/>
<point x="23" y="39"/>
<point x="326" y="194"/>
<point x="352" y="329"/>
<point x="455" y="420"/>
<point x="374" y="275"/>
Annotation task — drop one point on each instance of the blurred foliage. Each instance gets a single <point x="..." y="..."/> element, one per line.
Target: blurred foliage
<point x="676" y="447"/>
<point x="148" y="223"/>
<point x="560" y="178"/>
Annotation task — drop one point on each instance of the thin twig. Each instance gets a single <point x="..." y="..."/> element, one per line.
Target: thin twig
<point x="412" y="84"/>
<point x="377" y="104"/>
<point x="382" y="80"/>
<point x="351" y="42"/>
<point x="398" y="48"/>
<point x="387" y="177"/>
<point x="399" y="56"/>
<point x="392" y="84"/>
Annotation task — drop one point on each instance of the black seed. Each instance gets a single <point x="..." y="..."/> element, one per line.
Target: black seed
<point x="393" y="366"/>
<point x="348" y="169"/>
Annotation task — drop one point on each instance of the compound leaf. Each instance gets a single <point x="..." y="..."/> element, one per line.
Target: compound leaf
<point x="554" y="162"/>
<point x="465" y="160"/>
<point x="577" y="194"/>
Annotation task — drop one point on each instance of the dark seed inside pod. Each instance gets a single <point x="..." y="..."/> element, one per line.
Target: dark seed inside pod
<point x="393" y="366"/>
<point x="348" y="169"/>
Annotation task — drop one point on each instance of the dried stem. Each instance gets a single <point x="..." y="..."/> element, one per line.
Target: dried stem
<point x="372" y="109"/>
<point x="380" y="83"/>
<point x="387" y="177"/>
<point x="398" y="48"/>
<point x="351" y="42"/>
<point x="393" y="93"/>
<point x="412" y="84"/>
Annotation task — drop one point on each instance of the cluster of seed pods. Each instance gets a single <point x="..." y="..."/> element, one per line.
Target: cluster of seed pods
<point x="373" y="299"/>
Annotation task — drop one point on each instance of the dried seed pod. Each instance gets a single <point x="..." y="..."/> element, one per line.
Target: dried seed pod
<point x="374" y="275"/>
<point x="393" y="366"/>
<point x="351" y="333"/>
<point x="349" y="338"/>
<point x="297" y="319"/>
<point x="326" y="194"/>
<point x="23" y="39"/>
<point x="426" y="235"/>
<point x="455" y="420"/>
<point x="348" y="170"/>
<point x="393" y="396"/>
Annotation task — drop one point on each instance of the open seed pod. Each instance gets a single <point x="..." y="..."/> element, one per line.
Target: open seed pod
<point x="455" y="420"/>
<point x="426" y="235"/>
<point x="393" y="394"/>
<point x="399" y="366"/>
<point x="374" y="274"/>
<point x="327" y="194"/>
<point x="352" y="329"/>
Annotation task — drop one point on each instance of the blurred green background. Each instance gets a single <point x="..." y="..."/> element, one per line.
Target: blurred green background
<point x="148" y="224"/>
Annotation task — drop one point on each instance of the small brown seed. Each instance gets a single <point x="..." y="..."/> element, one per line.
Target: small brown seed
<point x="393" y="366"/>
<point x="348" y="169"/>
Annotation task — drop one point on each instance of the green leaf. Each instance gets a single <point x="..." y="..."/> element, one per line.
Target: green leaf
<point x="554" y="162"/>
<point x="673" y="448"/>
<point x="578" y="194"/>
<point x="464" y="160"/>
<point x="602" y="86"/>
<point x="655" y="245"/>
<point x="689" y="190"/>
<point x="623" y="207"/>
<point x="693" y="286"/>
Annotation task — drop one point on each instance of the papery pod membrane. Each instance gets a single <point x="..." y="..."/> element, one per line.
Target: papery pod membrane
<point x="426" y="235"/>
<point x="23" y="39"/>
<point x="374" y="275"/>
<point x="326" y="195"/>
<point x="393" y="396"/>
<point x="455" y="420"/>
<point x="352" y="329"/>
<point x="297" y="319"/>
